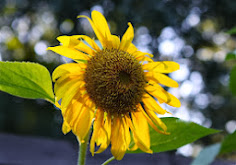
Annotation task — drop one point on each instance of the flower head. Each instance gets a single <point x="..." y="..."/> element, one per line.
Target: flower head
<point x="111" y="89"/>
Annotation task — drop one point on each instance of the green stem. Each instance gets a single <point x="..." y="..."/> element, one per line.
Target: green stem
<point x="108" y="160"/>
<point x="83" y="149"/>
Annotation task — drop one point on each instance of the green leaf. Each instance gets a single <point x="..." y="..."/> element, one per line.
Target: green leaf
<point x="27" y="80"/>
<point x="181" y="133"/>
<point x="229" y="144"/>
<point x="230" y="56"/>
<point x="232" y="31"/>
<point x="232" y="81"/>
<point x="207" y="155"/>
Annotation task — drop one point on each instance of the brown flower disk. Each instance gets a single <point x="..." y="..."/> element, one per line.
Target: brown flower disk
<point x="115" y="81"/>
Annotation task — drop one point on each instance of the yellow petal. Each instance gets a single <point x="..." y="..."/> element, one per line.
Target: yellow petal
<point x="90" y="41"/>
<point x="67" y="68"/>
<point x="133" y="148"/>
<point x="161" y="67"/>
<point x="104" y="136"/>
<point x="68" y="41"/>
<point x="75" y="44"/>
<point x="56" y="103"/>
<point x="83" y="124"/>
<point x="63" y="84"/>
<point x="118" y="141"/>
<point x="85" y="48"/>
<point x="141" y="128"/>
<point x="156" y="120"/>
<point x="102" y="132"/>
<point x="139" y="54"/>
<point x="137" y="139"/>
<point x="65" y="127"/>
<point x="97" y="31"/>
<point x="132" y="49"/>
<point x="152" y="105"/>
<point x="69" y="52"/>
<point x="127" y="38"/>
<point x="115" y="41"/>
<point x="162" y="95"/>
<point x="92" y="144"/>
<point x="96" y="129"/>
<point x="161" y="78"/>
<point x="72" y="112"/>
<point x="142" y="56"/>
<point x="70" y="93"/>
<point x="126" y="132"/>
<point x="100" y="22"/>
<point x="85" y="99"/>
<point x="152" y="123"/>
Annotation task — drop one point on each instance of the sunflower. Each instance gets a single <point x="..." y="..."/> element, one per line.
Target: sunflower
<point x="111" y="88"/>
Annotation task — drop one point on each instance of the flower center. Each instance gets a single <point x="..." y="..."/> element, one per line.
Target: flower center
<point x="124" y="77"/>
<point x="115" y="81"/>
